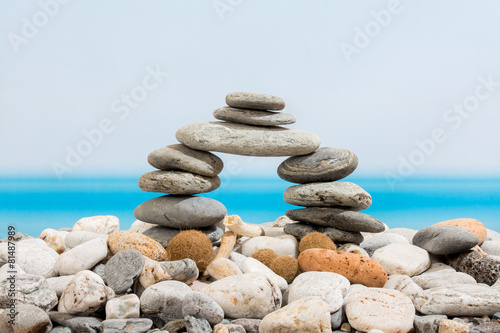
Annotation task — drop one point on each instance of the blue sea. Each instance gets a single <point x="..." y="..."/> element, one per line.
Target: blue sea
<point x="33" y="204"/>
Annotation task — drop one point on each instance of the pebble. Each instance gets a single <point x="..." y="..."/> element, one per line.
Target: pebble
<point x="442" y="279"/>
<point x="327" y="164"/>
<point x="183" y="270"/>
<point x="28" y="319"/>
<point x="59" y="283"/>
<point x="29" y="289"/>
<point x="452" y="326"/>
<point x="329" y="287"/>
<point x="248" y="100"/>
<point x="180" y="157"/>
<point x="164" y="235"/>
<point x="199" y="305"/>
<point x="304" y="315"/>
<point x="85" y="293"/>
<point x="253" y="117"/>
<point x="164" y="300"/>
<point x="375" y="308"/>
<point x="140" y="227"/>
<point x="251" y="295"/>
<point x="381" y="240"/>
<point x="403" y="259"/>
<point x="491" y="247"/>
<point x="286" y="245"/>
<point x="123" y="307"/>
<point x="337" y="318"/>
<point x="427" y="324"/>
<point x="177" y="182"/>
<point x="405" y="232"/>
<point x="99" y="270"/>
<point x="75" y="238"/>
<point x="445" y="239"/>
<point x="299" y="230"/>
<point x="459" y="300"/>
<point x="61" y="329"/>
<point x="356" y="268"/>
<point x="474" y="226"/>
<point x="54" y="239"/>
<point x="76" y="323"/>
<point x="181" y="211"/>
<point x="152" y="273"/>
<point x="492" y="235"/>
<point x="36" y="260"/>
<point x="353" y="248"/>
<point x="250" y="325"/>
<point x="82" y="257"/>
<point x="135" y="325"/>
<point x="337" y="218"/>
<point x="196" y="325"/>
<point x="222" y="268"/>
<point x="484" y="269"/>
<point x="104" y="224"/>
<point x="252" y="265"/>
<point x="404" y="284"/>
<point x="123" y="269"/>
<point x="248" y="140"/>
<point x="128" y="240"/>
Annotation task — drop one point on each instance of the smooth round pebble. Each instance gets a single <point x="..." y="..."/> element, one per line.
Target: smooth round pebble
<point x="474" y="226"/>
<point x="491" y="247"/>
<point x="37" y="260"/>
<point x="28" y="319"/>
<point x="59" y="283"/>
<point x="164" y="300"/>
<point x="54" y="239"/>
<point x="75" y="238"/>
<point x="123" y="307"/>
<point x="445" y="239"/>
<point x="403" y="259"/>
<point x="381" y="240"/>
<point x="82" y="257"/>
<point x="404" y="284"/>
<point x="299" y="230"/>
<point x="249" y="100"/>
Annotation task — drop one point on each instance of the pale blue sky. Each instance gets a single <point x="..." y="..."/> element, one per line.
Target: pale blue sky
<point x="69" y="74"/>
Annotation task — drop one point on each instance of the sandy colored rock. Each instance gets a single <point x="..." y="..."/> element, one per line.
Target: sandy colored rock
<point x="129" y="240"/>
<point x="104" y="224"/>
<point x="474" y="226"/>
<point x="54" y="239"/>
<point x="222" y="268"/>
<point x="177" y="182"/>
<point x="249" y="100"/>
<point x="356" y="268"/>
<point x="452" y="326"/>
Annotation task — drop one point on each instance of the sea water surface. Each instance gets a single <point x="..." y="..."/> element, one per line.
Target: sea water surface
<point x="31" y="204"/>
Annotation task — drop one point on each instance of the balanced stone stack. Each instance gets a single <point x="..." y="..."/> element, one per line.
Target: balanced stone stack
<point x="331" y="207"/>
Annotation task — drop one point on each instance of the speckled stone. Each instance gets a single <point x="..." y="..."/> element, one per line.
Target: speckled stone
<point x="338" y="194"/>
<point x="337" y="218"/>
<point x="485" y="269"/>
<point x="76" y="323"/>
<point x="54" y="239"/>
<point x="249" y="100"/>
<point x="474" y="226"/>
<point x="177" y="182"/>
<point x="445" y="239"/>
<point x="199" y="305"/>
<point x="128" y="240"/>
<point x="104" y="224"/>
<point x="123" y="269"/>
<point x="136" y="325"/>
<point x="253" y="117"/>
<point x="299" y="230"/>
<point x="164" y="300"/>
<point x="326" y="164"/>
<point x="164" y="235"/>
<point x="248" y="140"/>
<point x="197" y="325"/>
<point x="30" y="289"/>
<point x="181" y="211"/>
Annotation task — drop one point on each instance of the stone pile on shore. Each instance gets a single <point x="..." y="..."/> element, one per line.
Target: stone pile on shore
<point x="186" y="266"/>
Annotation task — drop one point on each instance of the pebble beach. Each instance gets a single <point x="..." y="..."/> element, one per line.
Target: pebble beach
<point x="185" y="265"/>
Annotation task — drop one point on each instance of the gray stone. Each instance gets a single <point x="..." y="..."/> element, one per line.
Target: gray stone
<point x="197" y="325"/>
<point x="30" y="289"/>
<point x="177" y="182"/>
<point x="28" y="319"/>
<point x="184" y="270"/>
<point x="248" y="140"/>
<point x="337" y="218"/>
<point x="427" y="324"/>
<point x="326" y="164"/>
<point x="250" y="325"/>
<point x="485" y="269"/>
<point x="76" y="323"/>
<point x="248" y="100"/>
<point x="234" y="328"/>
<point x="100" y="270"/>
<point x="491" y="247"/>
<point x="164" y="300"/>
<point x="133" y="325"/>
<point x="299" y="230"/>
<point x="381" y="240"/>
<point x="442" y="279"/>
<point x="338" y="318"/>
<point x="174" y="325"/>
<point x="123" y="269"/>
<point x="61" y="329"/>
<point x="253" y="117"/>
<point x="200" y="306"/>
<point x="181" y="211"/>
<point x="339" y="194"/>
<point x="445" y="239"/>
<point x="180" y="157"/>
<point x="164" y="235"/>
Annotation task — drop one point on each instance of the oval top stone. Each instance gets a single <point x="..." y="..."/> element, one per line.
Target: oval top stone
<point x="445" y="239"/>
<point x="240" y="139"/>
<point x="326" y="164"/>
<point x="180" y="157"/>
<point x="181" y="211"/>
<point x="248" y="100"/>
<point x="253" y="117"/>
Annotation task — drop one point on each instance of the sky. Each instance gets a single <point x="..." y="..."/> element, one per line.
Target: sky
<point x="92" y="87"/>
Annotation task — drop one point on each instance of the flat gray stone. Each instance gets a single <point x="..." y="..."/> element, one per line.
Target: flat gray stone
<point x="299" y="230"/>
<point x="337" y="218"/>
<point x="248" y="100"/>
<point x="76" y="323"/>
<point x="326" y="164"/>
<point x="164" y="235"/>
<point x="445" y="239"/>
<point x="136" y="325"/>
<point x="199" y="305"/>
<point x="338" y="194"/>
<point x="181" y="211"/>
<point x="177" y="182"/>
<point x="30" y="289"/>
<point x="180" y="157"/>
<point x="248" y="140"/>
<point x="253" y="117"/>
<point x="123" y="269"/>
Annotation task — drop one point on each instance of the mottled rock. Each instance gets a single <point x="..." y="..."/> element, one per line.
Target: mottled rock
<point x="152" y="273"/>
<point x="251" y="295"/>
<point x="164" y="235"/>
<point x="427" y="324"/>
<point x="75" y="238"/>
<point x="299" y="230"/>
<point x="123" y="269"/>
<point x="286" y="245"/>
<point x="381" y="240"/>
<point x="164" y="300"/>
<point x="248" y="140"/>
<point x="128" y="240"/>
<point x="181" y="211"/>
<point x="199" y="305"/>
<point x="253" y="117"/>
<point x="132" y="325"/>
<point x="197" y="325"/>
<point x="403" y="259"/>
<point x="250" y="325"/>
<point x="356" y="268"/>
<point x="338" y="194"/>
<point x="404" y="284"/>
<point x="442" y="278"/>
<point x="177" y="182"/>
<point x="249" y="100"/>
<point x="445" y="239"/>
<point x="59" y="283"/>
<point x="304" y="315"/>
<point x="123" y="307"/>
<point x="54" y="239"/>
<point x="327" y="164"/>
<point x="337" y="218"/>
<point x="484" y="269"/>
<point x="76" y="323"/>
<point x="28" y="319"/>
<point x="184" y="270"/>
<point x="375" y="308"/>
<point x="82" y="257"/>
<point x="474" y="226"/>
<point x="452" y="326"/>
<point x="102" y="224"/>
<point x="30" y="289"/>
<point x="180" y="157"/>
<point x="36" y="260"/>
